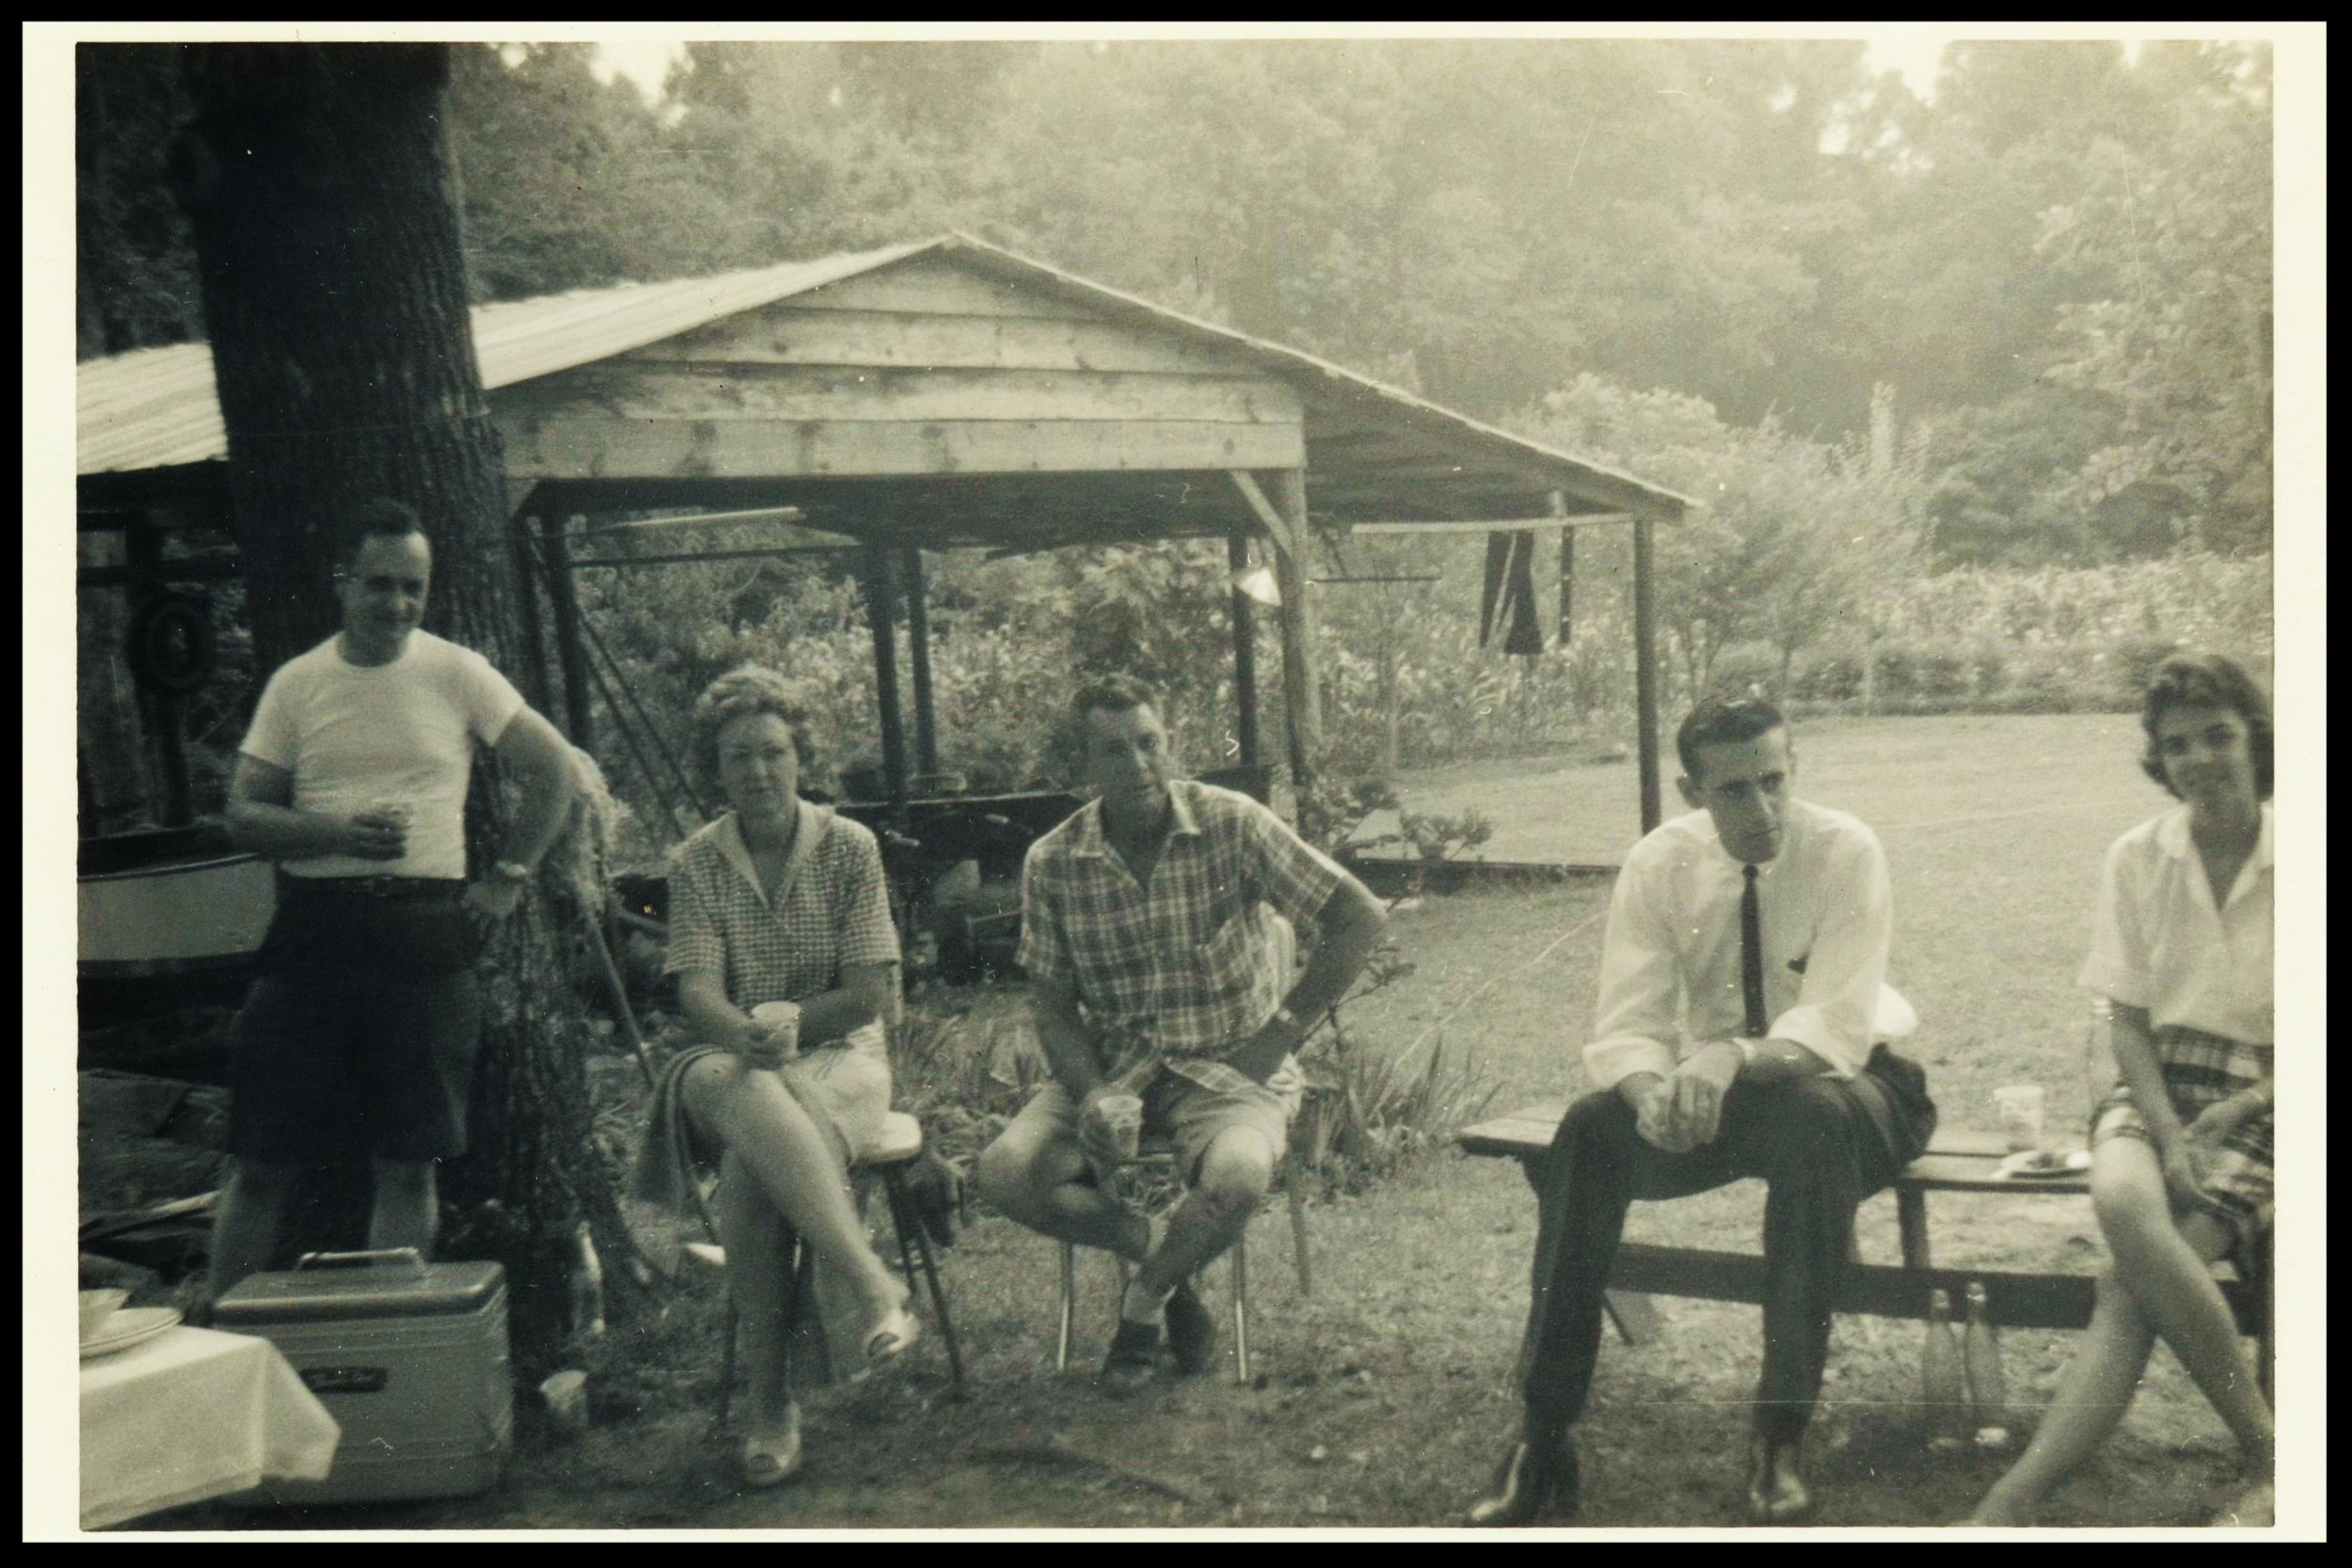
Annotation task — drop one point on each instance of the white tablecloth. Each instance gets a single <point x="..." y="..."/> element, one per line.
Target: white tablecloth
<point x="193" y="1413"/>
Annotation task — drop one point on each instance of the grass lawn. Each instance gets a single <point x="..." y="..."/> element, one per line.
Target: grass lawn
<point x="1383" y="1398"/>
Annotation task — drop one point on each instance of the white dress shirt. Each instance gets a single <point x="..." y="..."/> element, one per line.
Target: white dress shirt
<point x="1670" y="965"/>
<point x="2159" y="942"/>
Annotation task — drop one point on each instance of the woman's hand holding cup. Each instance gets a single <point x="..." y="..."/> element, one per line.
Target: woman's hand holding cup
<point x="773" y="1037"/>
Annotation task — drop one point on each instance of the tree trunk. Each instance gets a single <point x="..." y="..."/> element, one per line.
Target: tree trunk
<point x="325" y="218"/>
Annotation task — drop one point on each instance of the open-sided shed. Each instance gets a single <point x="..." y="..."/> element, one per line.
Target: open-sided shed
<point x="933" y="395"/>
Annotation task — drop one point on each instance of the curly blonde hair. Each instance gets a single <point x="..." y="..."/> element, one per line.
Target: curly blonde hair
<point x="748" y="689"/>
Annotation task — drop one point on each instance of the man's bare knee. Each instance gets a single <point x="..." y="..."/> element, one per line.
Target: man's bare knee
<point x="1237" y="1169"/>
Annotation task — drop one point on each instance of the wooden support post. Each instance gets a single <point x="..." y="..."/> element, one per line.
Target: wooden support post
<point x="1301" y="698"/>
<point x="1646" y="673"/>
<point x="881" y="615"/>
<point x="1568" y="565"/>
<point x="919" y="656"/>
<point x="568" y="647"/>
<point x="1245" y="651"/>
<point x="538" y="680"/>
<point x="162" y="715"/>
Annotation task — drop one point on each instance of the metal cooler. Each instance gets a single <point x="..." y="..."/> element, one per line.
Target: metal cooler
<point x="410" y="1357"/>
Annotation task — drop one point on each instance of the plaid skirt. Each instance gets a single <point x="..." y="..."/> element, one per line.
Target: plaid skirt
<point x="2201" y="1070"/>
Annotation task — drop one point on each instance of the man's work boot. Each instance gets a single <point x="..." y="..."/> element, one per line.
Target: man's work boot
<point x="1530" y="1484"/>
<point x="1134" y="1358"/>
<point x="1191" y="1332"/>
<point x="1777" y="1494"/>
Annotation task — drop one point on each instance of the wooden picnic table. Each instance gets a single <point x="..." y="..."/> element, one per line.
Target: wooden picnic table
<point x="1959" y="1160"/>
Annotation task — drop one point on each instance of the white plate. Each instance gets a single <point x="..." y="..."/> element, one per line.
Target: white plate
<point x="133" y="1325"/>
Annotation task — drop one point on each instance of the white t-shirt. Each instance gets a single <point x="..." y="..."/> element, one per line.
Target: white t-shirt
<point x="356" y="735"/>
<point x="2159" y="942"/>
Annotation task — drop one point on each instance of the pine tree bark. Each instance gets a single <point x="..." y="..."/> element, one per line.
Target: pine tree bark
<point x="325" y="210"/>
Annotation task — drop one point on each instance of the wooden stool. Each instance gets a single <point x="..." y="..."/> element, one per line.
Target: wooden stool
<point x="1239" y="1253"/>
<point x="893" y="1153"/>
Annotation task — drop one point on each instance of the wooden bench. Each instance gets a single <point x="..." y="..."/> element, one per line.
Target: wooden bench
<point x="1958" y="1161"/>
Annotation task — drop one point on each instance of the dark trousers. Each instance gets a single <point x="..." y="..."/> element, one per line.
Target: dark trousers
<point x="1820" y="1147"/>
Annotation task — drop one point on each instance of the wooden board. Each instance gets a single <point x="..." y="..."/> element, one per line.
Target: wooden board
<point x="1958" y="1159"/>
<point x="933" y="287"/>
<point x="787" y="334"/>
<point x="638" y="391"/>
<point x="567" y="447"/>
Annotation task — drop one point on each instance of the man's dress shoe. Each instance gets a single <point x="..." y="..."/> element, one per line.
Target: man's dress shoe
<point x="1529" y="1484"/>
<point x="1777" y="1494"/>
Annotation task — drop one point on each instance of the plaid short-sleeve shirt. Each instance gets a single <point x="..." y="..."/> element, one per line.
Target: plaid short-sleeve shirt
<point x="834" y="910"/>
<point x="1187" y="969"/>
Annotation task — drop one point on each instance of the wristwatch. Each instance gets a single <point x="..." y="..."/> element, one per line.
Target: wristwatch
<point x="510" y="871"/>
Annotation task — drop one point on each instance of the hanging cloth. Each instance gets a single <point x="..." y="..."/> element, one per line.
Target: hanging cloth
<point x="1509" y="593"/>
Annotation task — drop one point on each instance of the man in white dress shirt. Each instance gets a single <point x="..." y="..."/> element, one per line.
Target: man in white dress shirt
<point x="1742" y="1009"/>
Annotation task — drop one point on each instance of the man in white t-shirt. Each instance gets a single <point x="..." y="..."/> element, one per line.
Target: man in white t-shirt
<point x="357" y="1039"/>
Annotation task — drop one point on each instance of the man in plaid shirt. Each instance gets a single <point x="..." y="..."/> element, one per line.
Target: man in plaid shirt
<point x="1156" y="933"/>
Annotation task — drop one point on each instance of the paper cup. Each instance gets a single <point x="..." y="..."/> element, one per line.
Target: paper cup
<point x="567" y="1397"/>
<point x="2018" y="1107"/>
<point x="780" y="1015"/>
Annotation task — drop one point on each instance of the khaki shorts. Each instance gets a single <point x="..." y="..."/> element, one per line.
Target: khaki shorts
<point x="1176" y="1111"/>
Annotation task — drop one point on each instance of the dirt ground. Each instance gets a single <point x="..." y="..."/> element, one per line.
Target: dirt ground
<point x="1380" y="1401"/>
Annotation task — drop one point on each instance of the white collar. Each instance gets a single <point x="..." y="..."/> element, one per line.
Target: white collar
<point x="808" y="826"/>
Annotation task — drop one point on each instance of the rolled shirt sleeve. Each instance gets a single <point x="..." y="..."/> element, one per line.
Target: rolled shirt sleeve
<point x="867" y="936"/>
<point x="1842" y="1007"/>
<point x="1292" y="875"/>
<point x="1635" y="1024"/>
<point x="695" y="945"/>
<point x="2119" y="967"/>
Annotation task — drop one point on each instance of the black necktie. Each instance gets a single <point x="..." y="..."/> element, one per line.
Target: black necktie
<point x="1752" y="956"/>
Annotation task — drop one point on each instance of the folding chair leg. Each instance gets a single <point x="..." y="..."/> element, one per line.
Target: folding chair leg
<point x="1069" y="1306"/>
<point x="1241" y="1308"/>
<point x="910" y="1228"/>
<point x="726" y="1370"/>
<point x="1298" y="1222"/>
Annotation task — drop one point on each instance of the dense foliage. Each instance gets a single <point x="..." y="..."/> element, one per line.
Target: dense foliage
<point x="2021" y="327"/>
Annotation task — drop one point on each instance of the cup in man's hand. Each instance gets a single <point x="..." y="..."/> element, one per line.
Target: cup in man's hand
<point x="387" y="822"/>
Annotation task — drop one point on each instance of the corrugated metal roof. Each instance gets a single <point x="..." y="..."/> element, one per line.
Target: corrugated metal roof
<point x="156" y="407"/>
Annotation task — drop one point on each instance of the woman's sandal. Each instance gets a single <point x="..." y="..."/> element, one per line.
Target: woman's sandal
<point x="772" y="1461"/>
<point x="894" y="1334"/>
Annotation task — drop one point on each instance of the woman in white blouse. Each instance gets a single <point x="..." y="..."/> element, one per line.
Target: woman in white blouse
<point x="2181" y="1168"/>
<point x="781" y="940"/>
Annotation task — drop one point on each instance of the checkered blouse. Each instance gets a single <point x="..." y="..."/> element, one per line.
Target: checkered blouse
<point x="1187" y="968"/>
<point x="834" y="910"/>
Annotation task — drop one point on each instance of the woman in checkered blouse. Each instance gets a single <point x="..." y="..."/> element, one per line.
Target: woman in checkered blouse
<point x="2181" y="1170"/>
<point x="779" y="936"/>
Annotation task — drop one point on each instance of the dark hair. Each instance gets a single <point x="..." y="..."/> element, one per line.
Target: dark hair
<point x="1111" y="695"/>
<point x="381" y="516"/>
<point x="748" y="689"/>
<point x="2207" y="680"/>
<point x="1723" y="718"/>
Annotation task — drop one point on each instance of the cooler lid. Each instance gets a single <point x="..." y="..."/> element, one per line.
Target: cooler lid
<point x="359" y="1284"/>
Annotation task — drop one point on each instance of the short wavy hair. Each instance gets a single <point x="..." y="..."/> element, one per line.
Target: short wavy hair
<point x="379" y="516"/>
<point x="1113" y="693"/>
<point x="1718" y="719"/>
<point x="2207" y="680"/>
<point x="744" y="691"/>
